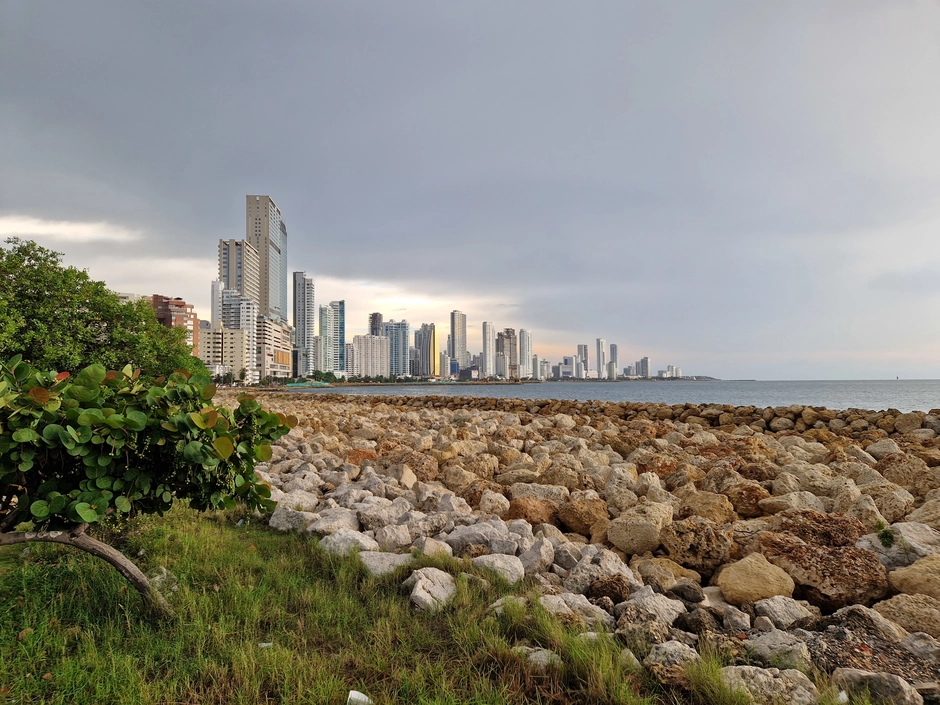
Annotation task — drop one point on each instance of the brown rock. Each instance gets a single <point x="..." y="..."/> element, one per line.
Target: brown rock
<point x="424" y="466"/>
<point x="615" y="587"/>
<point x="827" y="577"/>
<point x="752" y="578"/>
<point x="709" y="505"/>
<point x="920" y="578"/>
<point x="637" y="529"/>
<point x="905" y="423"/>
<point x="483" y="465"/>
<point x="916" y="613"/>
<point x="357" y="455"/>
<point x="579" y="515"/>
<point x="818" y="528"/>
<point x="697" y="543"/>
<point x="534" y="511"/>
<point x="745" y="497"/>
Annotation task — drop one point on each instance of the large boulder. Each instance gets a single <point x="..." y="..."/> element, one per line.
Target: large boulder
<point x="532" y="510"/>
<point x="582" y="511"/>
<point x="827" y="577"/>
<point x="880" y="687"/>
<point x="920" y="578"/>
<point x="753" y="578"/>
<point x="637" y="530"/>
<point x="907" y="543"/>
<point x="819" y="528"/>
<point x="509" y="568"/>
<point x="928" y="513"/>
<point x="783" y="611"/>
<point x="709" y="505"/>
<point x="767" y="685"/>
<point x="916" y="613"/>
<point x="746" y="497"/>
<point x="697" y="543"/>
<point x="779" y="648"/>
<point x="431" y="588"/>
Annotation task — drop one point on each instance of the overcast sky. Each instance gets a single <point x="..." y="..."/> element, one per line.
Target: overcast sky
<point x="744" y="189"/>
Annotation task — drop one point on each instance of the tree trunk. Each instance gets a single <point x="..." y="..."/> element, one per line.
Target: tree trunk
<point x="77" y="538"/>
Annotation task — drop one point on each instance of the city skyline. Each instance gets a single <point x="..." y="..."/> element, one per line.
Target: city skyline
<point x="748" y="192"/>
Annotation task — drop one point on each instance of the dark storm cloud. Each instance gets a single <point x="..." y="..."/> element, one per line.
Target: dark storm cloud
<point x="725" y="178"/>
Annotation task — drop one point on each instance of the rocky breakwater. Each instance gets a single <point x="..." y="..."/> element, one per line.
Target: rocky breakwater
<point x="787" y="537"/>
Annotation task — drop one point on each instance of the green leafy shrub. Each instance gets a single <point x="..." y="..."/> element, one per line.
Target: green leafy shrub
<point x="76" y="448"/>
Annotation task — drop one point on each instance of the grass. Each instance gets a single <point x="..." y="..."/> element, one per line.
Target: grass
<point x="264" y="617"/>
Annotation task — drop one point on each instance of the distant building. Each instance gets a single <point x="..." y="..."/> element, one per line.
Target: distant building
<point x="399" y="337"/>
<point x="372" y="355"/>
<point x="176" y="313"/>
<point x="601" y="358"/>
<point x="488" y="367"/>
<point x="266" y="232"/>
<point x="643" y="367"/>
<point x="444" y="365"/>
<point x="583" y="355"/>
<point x="427" y="353"/>
<point x="376" y="324"/>
<point x="613" y="353"/>
<point x="611" y="370"/>
<point x="229" y="350"/>
<point x="305" y="322"/>
<point x="458" y="338"/>
<point x="507" y="344"/>
<point x="525" y="353"/>
<point x="240" y="268"/>
<point x="325" y="355"/>
<point x="274" y="348"/>
<point x="339" y="334"/>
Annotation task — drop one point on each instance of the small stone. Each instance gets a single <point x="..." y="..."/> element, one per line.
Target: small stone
<point x="881" y="687"/>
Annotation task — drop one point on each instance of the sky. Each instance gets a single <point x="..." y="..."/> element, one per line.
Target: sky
<point x="748" y="190"/>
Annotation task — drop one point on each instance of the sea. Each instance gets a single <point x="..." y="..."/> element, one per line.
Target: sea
<point x="879" y="395"/>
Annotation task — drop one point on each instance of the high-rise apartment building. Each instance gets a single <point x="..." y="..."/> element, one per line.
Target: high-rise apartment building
<point x="399" y="344"/>
<point x="643" y="367"/>
<point x="352" y="360"/>
<point x="215" y="302"/>
<point x="274" y="348"/>
<point x="507" y="344"/>
<point x="305" y="321"/>
<point x="376" y="324"/>
<point x="583" y="356"/>
<point x="240" y="268"/>
<point x="339" y="334"/>
<point x="372" y="355"/>
<point x="325" y="359"/>
<point x="613" y="354"/>
<point x="525" y="353"/>
<point x="601" y="358"/>
<point x="427" y="353"/>
<point x="488" y="368"/>
<point x="176" y="313"/>
<point x="611" y="370"/>
<point x="229" y="349"/>
<point x="458" y="338"/>
<point x="266" y="232"/>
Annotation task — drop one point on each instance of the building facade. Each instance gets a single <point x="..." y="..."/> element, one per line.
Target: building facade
<point x="274" y="348"/>
<point x="240" y="268"/>
<point x="399" y="344"/>
<point x="525" y="353"/>
<point x="176" y="313"/>
<point x="339" y="335"/>
<point x="601" y="358"/>
<point x="427" y="353"/>
<point x="376" y="324"/>
<point x="305" y="321"/>
<point x="372" y="355"/>
<point x="266" y="231"/>
<point x="458" y="338"/>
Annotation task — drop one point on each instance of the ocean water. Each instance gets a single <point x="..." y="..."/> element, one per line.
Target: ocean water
<point x="903" y="395"/>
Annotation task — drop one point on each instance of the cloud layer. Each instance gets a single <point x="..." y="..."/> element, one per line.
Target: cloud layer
<point x="743" y="189"/>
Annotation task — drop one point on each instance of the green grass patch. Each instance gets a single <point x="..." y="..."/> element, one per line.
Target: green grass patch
<point x="263" y="617"/>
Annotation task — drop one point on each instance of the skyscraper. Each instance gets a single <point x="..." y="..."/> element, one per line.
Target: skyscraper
<point x="507" y="344"/>
<point x="458" y="338"/>
<point x="376" y="326"/>
<point x="428" y="354"/>
<point x="399" y="338"/>
<point x="267" y="233"/>
<point x="489" y="350"/>
<point x="339" y="334"/>
<point x="240" y="268"/>
<point x="525" y="354"/>
<point x="601" y="358"/>
<point x="583" y="355"/>
<point x="613" y="354"/>
<point x="305" y="321"/>
<point x="325" y="360"/>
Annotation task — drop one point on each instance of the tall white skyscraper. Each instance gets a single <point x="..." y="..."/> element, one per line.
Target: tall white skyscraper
<point x="305" y="322"/>
<point x="399" y="347"/>
<point x="458" y="338"/>
<point x="525" y="353"/>
<point x="583" y="356"/>
<point x="325" y="361"/>
<point x="489" y="350"/>
<point x="601" y="358"/>
<point x="216" y="303"/>
<point x="267" y="233"/>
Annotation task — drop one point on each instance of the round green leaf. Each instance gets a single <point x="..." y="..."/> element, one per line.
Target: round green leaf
<point x="263" y="452"/>
<point x="39" y="509"/>
<point x="25" y="435"/>
<point x="122" y="503"/>
<point x="223" y="447"/>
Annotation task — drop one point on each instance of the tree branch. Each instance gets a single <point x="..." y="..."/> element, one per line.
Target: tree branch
<point x="77" y="538"/>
